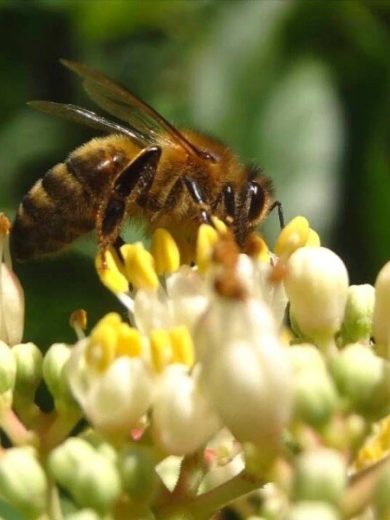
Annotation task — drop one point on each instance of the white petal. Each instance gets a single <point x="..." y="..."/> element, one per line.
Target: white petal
<point x="11" y="307"/>
<point x="182" y="418"/>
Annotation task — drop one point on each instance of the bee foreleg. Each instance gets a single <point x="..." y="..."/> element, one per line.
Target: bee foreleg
<point x="196" y="195"/>
<point x="278" y="204"/>
<point x="229" y="202"/>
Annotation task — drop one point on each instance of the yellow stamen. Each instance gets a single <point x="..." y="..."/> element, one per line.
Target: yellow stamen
<point x="78" y="322"/>
<point x="129" y="341"/>
<point x="207" y="238"/>
<point x="376" y="447"/>
<point x="5" y="225"/>
<point x="139" y="266"/>
<point x="78" y="319"/>
<point x="110" y="272"/>
<point x="292" y="236"/>
<point x="259" y="249"/>
<point x="101" y="348"/>
<point x="165" y="252"/>
<point x="182" y="345"/>
<point x="313" y="239"/>
<point x="161" y="349"/>
<point x="220" y="226"/>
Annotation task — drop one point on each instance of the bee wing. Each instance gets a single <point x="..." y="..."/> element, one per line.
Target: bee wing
<point x="88" y="118"/>
<point x="122" y="104"/>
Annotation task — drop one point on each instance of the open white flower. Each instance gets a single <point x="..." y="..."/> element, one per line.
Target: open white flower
<point x="11" y="292"/>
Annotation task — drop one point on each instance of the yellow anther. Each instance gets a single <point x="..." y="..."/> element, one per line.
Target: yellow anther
<point x="161" y="349"/>
<point x="78" y="319"/>
<point x="165" y="252"/>
<point x="5" y="225"/>
<point x="139" y="266"/>
<point x="257" y="248"/>
<point x="292" y="236"/>
<point x="129" y="341"/>
<point x="220" y="226"/>
<point x="110" y="272"/>
<point x="376" y="447"/>
<point x="207" y="238"/>
<point x="313" y="239"/>
<point x="182" y="345"/>
<point x="102" y="343"/>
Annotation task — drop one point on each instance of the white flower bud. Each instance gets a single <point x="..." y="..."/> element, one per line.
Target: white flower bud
<point x="382" y="309"/>
<point x="7" y="368"/>
<point x="363" y="378"/>
<point x="316" y="285"/>
<point x="359" y="310"/>
<point x="115" y="399"/>
<point x="320" y="474"/>
<point x="182" y="418"/>
<point x="314" y="393"/>
<point x="137" y="470"/>
<point x="29" y="370"/>
<point x="312" y="510"/>
<point x="245" y="370"/>
<point x="23" y="482"/>
<point x="11" y="306"/>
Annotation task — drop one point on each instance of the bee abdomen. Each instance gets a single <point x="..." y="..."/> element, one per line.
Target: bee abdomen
<point x="54" y="212"/>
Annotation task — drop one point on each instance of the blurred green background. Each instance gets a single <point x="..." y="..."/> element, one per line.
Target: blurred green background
<point x="300" y="87"/>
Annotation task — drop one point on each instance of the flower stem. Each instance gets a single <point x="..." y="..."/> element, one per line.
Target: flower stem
<point x="203" y="506"/>
<point x="15" y="429"/>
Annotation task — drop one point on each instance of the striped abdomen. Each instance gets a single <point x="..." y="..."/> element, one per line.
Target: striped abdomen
<point x="62" y="205"/>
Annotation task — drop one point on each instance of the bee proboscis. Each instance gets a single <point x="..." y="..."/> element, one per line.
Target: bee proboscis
<point x="147" y="171"/>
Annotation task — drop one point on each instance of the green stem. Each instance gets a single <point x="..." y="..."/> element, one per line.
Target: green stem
<point x="54" y="505"/>
<point x="192" y="471"/>
<point x="203" y="506"/>
<point x="59" y="429"/>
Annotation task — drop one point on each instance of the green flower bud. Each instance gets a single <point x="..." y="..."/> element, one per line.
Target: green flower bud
<point x="137" y="470"/>
<point x="382" y="495"/>
<point x="23" y="482"/>
<point x="65" y="460"/>
<point x="91" y="478"/>
<point x="359" y="311"/>
<point x="101" y="446"/>
<point x="97" y="485"/>
<point x="363" y="379"/>
<point x="314" y="394"/>
<point x="54" y="374"/>
<point x="28" y="369"/>
<point x="312" y="511"/>
<point x="320" y="475"/>
<point x="7" y="368"/>
<point x="84" y="514"/>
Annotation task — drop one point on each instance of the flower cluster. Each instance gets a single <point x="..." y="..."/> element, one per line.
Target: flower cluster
<point x="257" y="379"/>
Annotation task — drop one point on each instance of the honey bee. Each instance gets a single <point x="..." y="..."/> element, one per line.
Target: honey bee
<point x="147" y="171"/>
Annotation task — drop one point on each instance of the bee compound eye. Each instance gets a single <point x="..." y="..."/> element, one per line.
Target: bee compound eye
<point x="256" y="194"/>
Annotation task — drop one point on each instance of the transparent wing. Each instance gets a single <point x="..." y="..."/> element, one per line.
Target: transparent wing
<point x="122" y="104"/>
<point x="87" y="117"/>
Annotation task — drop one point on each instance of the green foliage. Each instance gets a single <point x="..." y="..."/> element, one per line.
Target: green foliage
<point x="299" y="87"/>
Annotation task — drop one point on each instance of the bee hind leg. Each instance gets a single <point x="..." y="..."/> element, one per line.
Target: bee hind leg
<point x="137" y="177"/>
